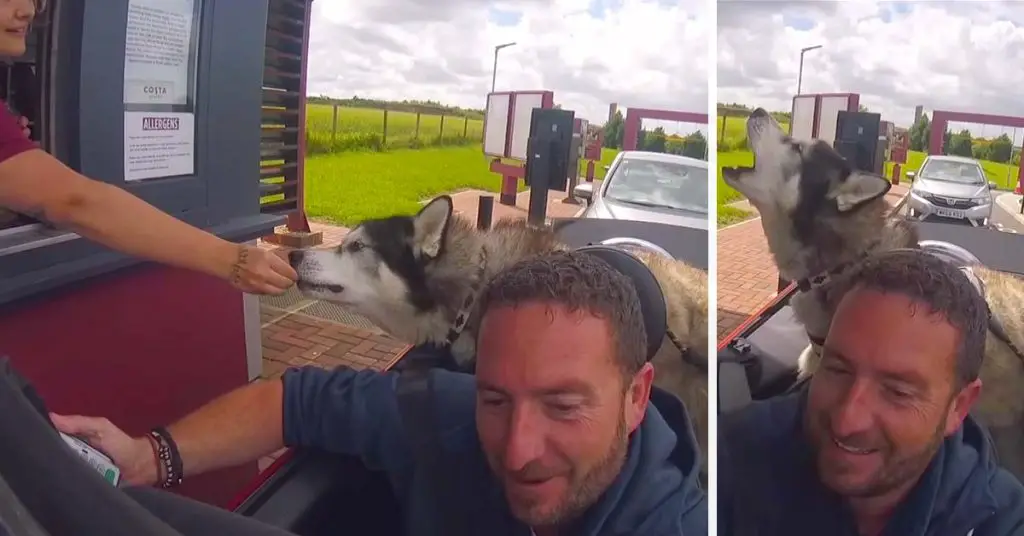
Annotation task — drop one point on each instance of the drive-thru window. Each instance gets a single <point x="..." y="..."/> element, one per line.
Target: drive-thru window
<point x="163" y="99"/>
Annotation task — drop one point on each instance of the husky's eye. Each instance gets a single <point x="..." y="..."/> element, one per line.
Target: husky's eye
<point x="355" y="246"/>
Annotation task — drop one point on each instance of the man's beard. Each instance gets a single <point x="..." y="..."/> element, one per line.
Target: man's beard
<point x="584" y="490"/>
<point x="896" y="470"/>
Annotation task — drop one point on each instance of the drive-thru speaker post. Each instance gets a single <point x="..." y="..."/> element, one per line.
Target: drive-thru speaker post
<point x="527" y="137"/>
<point x="547" y="158"/>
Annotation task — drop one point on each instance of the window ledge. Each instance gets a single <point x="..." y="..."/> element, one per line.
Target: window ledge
<point x="75" y="260"/>
<point x="28" y="237"/>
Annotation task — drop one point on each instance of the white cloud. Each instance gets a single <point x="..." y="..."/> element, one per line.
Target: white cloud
<point x="640" y="53"/>
<point x="958" y="56"/>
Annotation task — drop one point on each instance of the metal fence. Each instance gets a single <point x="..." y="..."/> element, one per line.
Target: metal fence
<point x="334" y="128"/>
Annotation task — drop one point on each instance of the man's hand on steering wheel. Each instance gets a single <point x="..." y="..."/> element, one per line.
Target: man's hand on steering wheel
<point x="133" y="456"/>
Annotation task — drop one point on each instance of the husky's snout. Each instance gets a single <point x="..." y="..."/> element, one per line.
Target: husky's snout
<point x="759" y="122"/>
<point x="310" y="273"/>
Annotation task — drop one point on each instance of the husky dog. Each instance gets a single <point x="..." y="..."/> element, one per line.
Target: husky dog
<point x="412" y="276"/>
<point x="821" y="216"/>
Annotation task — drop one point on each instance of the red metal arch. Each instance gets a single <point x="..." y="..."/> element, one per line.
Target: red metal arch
<point x="631" y="131"/>
<point x="941" y="119"/>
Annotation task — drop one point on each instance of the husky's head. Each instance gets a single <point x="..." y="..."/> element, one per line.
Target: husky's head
<point x="389" y="270"/>
<point x="815" y="207"/>
<point x="800" y="179"/>
<point x="805" y="191"/>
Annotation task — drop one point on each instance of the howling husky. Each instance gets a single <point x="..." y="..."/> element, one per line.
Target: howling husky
<point x="819" y="214"/>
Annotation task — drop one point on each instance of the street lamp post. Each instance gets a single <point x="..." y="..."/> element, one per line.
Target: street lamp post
<point x="494" y="72"/>
<point x="800" y="76"/>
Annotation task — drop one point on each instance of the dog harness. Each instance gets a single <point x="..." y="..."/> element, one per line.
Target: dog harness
<point x="822" y="279"/>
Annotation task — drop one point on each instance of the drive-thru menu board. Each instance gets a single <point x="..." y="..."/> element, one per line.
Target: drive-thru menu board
<point x="161" y="43"/>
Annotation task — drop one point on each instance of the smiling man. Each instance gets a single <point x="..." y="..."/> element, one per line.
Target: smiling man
<point x="559" y="433"/>
<point x="880" y="441"/>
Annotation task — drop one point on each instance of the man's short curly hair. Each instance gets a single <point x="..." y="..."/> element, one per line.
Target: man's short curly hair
<point x="578" y="281"/>
<point x="943" y="288"/>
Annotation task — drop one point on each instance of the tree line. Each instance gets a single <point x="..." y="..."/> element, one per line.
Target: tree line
<point x="999" y="149"/>
<point x="694" y="145"/>
<point x="412" y="106"/>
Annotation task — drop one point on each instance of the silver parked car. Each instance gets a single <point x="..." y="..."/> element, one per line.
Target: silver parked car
<point x="650" y="187"/>
<point x="951" y="187"/>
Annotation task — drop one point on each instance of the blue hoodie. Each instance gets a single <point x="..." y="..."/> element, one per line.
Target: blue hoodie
<point x="356" y="413"/>
<point x="768" y="485"/>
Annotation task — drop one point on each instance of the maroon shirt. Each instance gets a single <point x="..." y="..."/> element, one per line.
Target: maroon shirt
<point x="12" y="138"/>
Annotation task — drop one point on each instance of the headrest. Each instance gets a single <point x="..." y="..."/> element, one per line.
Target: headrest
<point x="652" y="301"/>
<point x="956" y="255"/>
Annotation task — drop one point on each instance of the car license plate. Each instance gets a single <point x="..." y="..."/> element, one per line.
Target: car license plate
<point x="949" y="213"/>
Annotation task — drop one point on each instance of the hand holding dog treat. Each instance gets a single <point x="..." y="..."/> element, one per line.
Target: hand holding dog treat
<point x="259" y="271"/>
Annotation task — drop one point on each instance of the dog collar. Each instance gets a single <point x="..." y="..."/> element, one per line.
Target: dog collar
<point x="689" y="356"/>
<point x="808" y="284"/>
<point x="462" y="317"/>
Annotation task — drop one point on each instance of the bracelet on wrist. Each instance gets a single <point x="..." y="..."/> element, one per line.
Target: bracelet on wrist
<point x="170" y="467"/>
<point x="236" y="269"/>
<point x="158" y="466"/>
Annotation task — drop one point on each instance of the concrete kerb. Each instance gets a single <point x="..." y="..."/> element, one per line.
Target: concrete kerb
<point x="899" y="204"/>
<point x="1010" y="202"/>
<point x="737" y="224"/>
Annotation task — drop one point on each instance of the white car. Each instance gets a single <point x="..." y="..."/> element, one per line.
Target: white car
<point x="951" y="188"/>
<point x="650" y="187"/>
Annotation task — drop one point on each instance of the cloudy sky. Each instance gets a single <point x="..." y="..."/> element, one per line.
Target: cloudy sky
<point x="962" y="56"/>
<point x="641" y="53"/>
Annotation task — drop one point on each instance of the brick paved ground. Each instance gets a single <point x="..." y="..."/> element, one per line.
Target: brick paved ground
<point x="746" y="274"/>
<point x="294" y="339"/>
<point x="465" y="204"/>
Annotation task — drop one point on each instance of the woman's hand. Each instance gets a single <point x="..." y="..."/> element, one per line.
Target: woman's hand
<point x="133" y="456"/>
<point x="259" y="271"/>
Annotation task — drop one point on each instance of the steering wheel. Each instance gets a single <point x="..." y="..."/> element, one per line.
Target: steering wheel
<point x="34" y="462"/>
<point x="628" y="242"/>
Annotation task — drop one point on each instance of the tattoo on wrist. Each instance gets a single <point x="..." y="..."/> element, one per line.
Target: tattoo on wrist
<point x="236" y="270"/>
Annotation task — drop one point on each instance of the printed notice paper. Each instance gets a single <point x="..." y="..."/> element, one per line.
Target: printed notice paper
<point x="158" y="51"/>
<point x="158" y="145"/>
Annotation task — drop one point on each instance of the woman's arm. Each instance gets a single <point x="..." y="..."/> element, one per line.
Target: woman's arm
<point x="37" y="184"/>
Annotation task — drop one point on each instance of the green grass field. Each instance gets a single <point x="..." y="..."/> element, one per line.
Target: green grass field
<point x="363" y="129"/>
<point x="1003" y="175"/>
<point x="354" y="171"/>
<point x="347" y="187"/>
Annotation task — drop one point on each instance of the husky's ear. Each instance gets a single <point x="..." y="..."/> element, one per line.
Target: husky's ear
<point x="859" y="188"/>
<point x="430" y="226"/>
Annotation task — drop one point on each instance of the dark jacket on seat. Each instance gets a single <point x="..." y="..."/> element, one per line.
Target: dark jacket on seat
<point x="357" y="413"/>
<point x="768" y="484"/>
